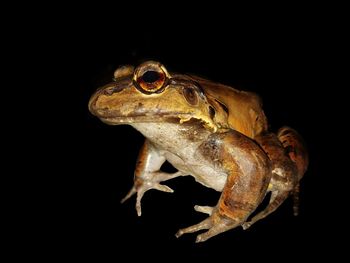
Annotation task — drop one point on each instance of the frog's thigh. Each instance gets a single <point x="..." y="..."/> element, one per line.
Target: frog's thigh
<point x="249" y="173"/>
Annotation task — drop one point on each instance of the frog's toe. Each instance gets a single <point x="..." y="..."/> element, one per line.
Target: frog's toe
<point x="204" y="209"/>
<point x="217" y="228"/>
<point x="215" y="224"/>
<point x="203" y="237"/>
<point x="129" y="194"/>
<point x="246" y="225"/>
<point x="206" y="224"/>
<point x="142" y="189"/>
<point x="163" y="188"/>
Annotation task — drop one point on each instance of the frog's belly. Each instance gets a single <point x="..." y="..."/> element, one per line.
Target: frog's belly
<point x="203" y="171"/>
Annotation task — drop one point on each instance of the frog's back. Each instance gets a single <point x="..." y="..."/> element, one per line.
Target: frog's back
<point x="244" y="109"/>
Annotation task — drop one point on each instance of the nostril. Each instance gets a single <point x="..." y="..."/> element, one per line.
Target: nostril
<point x="114" y="89"/>
<point x="108" y="91"/>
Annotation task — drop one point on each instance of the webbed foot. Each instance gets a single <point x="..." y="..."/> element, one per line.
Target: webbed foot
<point x="215" y="224"/>
<point x="152" y="181"/>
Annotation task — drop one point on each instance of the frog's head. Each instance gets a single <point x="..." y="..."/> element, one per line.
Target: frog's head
<point x="150" y="94"/>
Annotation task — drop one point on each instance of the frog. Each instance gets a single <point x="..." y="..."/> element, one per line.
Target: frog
<point x="215" y="133"/>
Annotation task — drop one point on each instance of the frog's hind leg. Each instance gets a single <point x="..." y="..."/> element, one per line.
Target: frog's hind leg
<point x="295" y="147"/>
<point x="289" y="157"/>
<point x="276" y="199"/>
<point x="216" y="225"/>
<point x="297" y="152"/>
<point x="248" y="175"/>
<point x="295" y="194"/>
<point x="205" y="224"/>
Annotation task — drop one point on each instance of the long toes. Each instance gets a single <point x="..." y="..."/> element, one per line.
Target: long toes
<point x="204" y="209"/>
<point x="210" y="233"/>
<point x="202" y="237"/>
<point x="138" y="209"/>
<point x="179" y="233"/>
<point x="138" y="202"/>
<point x="164" y="188"/>
<point x="205" y="224"/>
<point x="128" y="195"/>
<point x="246" y="225"/>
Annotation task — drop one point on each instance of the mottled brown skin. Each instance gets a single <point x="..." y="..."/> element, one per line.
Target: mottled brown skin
<point x="296" y="149"/>
<point x="244" y="109"/>
<point x="206" y="130"/>
<point x="289" y="160"/>
<point x="248" y="175"/>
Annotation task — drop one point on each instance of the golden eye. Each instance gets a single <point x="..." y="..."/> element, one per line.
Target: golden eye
<point x="151" y="81"/>
<point x="150" y="77"/>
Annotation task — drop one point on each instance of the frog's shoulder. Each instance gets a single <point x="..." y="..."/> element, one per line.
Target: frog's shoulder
<point x="226" y="93"/>
<point x="244" y="108"/>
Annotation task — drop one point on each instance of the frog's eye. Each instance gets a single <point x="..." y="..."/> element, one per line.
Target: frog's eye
<point x="151" y="77"/>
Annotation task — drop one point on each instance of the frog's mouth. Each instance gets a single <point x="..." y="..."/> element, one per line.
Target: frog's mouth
<point x="177" y="117"/>
<point x="129" y="112"/>
<point x="144" y="118"/>
<point x="133" y="112"/>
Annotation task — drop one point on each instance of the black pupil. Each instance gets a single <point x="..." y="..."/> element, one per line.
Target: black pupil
<point x="151" y="76"/>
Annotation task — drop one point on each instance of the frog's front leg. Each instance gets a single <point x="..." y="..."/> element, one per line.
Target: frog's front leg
<point x="148" y="175"/>
<point x="248" y="175"/>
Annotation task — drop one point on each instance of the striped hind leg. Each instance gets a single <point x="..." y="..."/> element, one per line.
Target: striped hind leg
<point x="295" y="194"/>
<point x="295" y="147"/>
<point x="276" y="199"/>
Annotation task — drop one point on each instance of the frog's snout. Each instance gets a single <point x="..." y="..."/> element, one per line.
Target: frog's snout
<point x="93" y="99"/>
<point x="92" y="103"/>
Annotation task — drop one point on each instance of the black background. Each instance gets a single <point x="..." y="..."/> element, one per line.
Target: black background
<point x="88" y="166"/>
